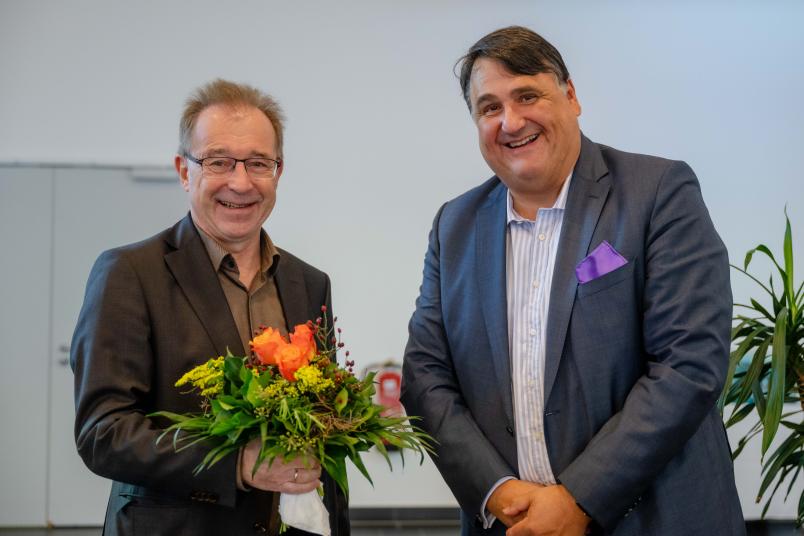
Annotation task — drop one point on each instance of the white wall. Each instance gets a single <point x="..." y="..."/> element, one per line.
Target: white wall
<point x="378" y="136"/>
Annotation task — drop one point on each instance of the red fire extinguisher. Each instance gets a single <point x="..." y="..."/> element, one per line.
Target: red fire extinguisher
<point x="387" y="385"/>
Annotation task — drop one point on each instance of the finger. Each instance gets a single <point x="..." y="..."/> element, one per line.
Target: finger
<point x="299" y="487"/>
<point x="307" y="462"/>
<point x="510" y="521"/>
<point x="517" y="506"/>
<point x="306" y="475"/>
<point x="519" y="529"/>
<point x="303" y="476"/>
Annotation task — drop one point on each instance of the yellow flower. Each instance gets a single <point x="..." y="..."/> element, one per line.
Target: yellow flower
<point x="207" y="378"/>
<point x="310" y="379"/>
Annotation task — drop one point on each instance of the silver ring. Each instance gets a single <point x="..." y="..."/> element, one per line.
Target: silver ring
<point x="295" y="475"/>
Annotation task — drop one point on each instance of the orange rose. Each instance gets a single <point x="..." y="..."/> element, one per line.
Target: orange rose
<point x="302" y="338"/>
<point x="290" y="359"/>
<point x="266" y="346"/>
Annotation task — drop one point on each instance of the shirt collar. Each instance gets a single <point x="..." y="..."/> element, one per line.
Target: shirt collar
<point x="560" y="204"/>
<point x="269" y="255"/>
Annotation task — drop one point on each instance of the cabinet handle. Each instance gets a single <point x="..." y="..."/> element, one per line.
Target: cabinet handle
<point x="64" y="349"/>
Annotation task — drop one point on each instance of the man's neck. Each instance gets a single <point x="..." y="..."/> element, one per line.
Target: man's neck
<point x="527" y="204"/>
<point x="247" y="254"/>
<point x="248" y="260"/>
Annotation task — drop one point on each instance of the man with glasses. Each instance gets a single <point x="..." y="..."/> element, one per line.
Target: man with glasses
<point x="155" y="309"/>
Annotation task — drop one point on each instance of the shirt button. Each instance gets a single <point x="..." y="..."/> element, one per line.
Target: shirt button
<point x="533" y="333"/>
<point x="535" y="284"/>
<point x="542" y="236"/>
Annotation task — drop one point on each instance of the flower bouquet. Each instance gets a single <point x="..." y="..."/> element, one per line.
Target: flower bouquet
<point x="292" y="396"/>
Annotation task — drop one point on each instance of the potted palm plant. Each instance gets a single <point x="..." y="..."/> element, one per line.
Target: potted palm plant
<point x="766" y="374"/>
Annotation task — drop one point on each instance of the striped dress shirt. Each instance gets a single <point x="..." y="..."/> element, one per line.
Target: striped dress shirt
<point x="530" y="257"/>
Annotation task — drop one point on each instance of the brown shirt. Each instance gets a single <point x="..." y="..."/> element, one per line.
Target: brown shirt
<point x="251" y="308"/>
<point x="257" y="305"/>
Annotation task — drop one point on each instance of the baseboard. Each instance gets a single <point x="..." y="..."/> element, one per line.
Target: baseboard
<point x="450" y="517"/>
<point x="405" y="517"/>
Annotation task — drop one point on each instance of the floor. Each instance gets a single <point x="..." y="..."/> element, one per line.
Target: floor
<point x="365" y="531"/>
<point x="754" y="529"/>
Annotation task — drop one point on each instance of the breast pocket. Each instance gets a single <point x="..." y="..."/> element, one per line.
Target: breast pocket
<point x="615" y="277"/>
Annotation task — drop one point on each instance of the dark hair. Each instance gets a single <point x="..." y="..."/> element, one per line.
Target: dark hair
<point x="520" y="50"/>
<point x="228" y="93"/>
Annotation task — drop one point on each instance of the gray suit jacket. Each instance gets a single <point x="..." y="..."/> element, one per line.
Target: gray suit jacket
<point x="634" y="359"/>
<point x="152" y="311"/>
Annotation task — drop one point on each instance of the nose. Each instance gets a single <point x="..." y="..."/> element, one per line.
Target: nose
<point x="239" y="180"/>
<point x="512" y="120"/>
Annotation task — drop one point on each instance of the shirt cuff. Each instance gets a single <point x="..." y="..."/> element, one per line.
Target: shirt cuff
<point x="485" y="515"/>
<point x="238" y="475"/>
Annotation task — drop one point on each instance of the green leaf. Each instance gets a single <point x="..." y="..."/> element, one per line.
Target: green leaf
<point x="788" y="266"/>
<point x="757" y="361"/>
<point x="225" y="404"/>
<point x="253" y="393"/>
<point x="358" y="462"/>
<point x="779" y="459"/>
<point x="748" y="257"/>
<point x="739" y="415"/>
<point x="337" y="470"/>
<point x="745" y="439"/>
<point x="759" y="398"/>
<point x="773" y="411"/>
<point x="341" y="399"/>
<point x="764" y="249"/>
<point x="757" y="281"/>
<point x="758" y="307"/>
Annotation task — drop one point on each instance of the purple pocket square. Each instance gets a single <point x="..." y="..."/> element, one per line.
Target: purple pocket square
<point x="602" y="260"/>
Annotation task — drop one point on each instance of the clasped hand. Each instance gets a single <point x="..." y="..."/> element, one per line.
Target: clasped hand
<point x="529" y="509"/>
<point x="299" y="475"/>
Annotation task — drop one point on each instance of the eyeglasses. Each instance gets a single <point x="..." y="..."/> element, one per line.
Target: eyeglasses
<point x="223" y="166"/>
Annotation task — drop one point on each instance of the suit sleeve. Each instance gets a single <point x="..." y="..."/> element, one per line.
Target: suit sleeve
<point x="114" y="365"/>
<point x="685" y="326"/>
<point x="464" y="456"/>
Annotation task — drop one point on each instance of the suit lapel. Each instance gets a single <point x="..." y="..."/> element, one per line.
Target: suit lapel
<point x="190" y="265"/>
<point x="586" y="197"/>
<point x="292" y="294"/>
<point x="490" y="259"/>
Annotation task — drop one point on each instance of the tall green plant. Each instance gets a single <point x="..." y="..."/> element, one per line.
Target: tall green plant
<point x="766" y="371"/>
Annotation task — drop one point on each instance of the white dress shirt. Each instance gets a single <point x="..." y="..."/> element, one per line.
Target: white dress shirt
<point x="531" y="247"/>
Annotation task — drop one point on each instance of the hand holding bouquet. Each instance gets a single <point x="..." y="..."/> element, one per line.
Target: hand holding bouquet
<point x="292" y="396"/>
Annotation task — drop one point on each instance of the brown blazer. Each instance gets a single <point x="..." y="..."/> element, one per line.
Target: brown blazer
<point x="152" y="311"/>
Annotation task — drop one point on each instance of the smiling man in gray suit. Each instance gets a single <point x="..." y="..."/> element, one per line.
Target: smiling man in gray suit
<point x="571" y="335"/>
<point x="155" y="309"/>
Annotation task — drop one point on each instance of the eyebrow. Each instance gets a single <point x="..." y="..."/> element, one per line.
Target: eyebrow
<point x="516" y="92"/>
<point x="221" y="151"/>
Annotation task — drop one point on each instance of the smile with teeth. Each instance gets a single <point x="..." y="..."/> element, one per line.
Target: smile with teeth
<point x="523" y="141"/>
<point x="234" y="205"/>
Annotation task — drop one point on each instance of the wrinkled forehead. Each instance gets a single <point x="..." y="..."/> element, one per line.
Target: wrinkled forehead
<point x="490" y="78"/>
<point x="233" y="126"/>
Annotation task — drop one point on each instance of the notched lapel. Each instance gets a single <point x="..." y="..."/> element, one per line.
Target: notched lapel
<point x="490" y="261"/>
<point x="587" y="195"/>
<point x="193" y="272"/>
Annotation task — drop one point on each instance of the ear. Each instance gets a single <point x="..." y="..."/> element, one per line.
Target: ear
<point x="181" y="168"/>
<point x="573" y="97"/>
<point x="279" y="171"/>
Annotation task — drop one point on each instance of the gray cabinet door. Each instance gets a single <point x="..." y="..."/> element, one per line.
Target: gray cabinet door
<point x="25" y="272"/>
